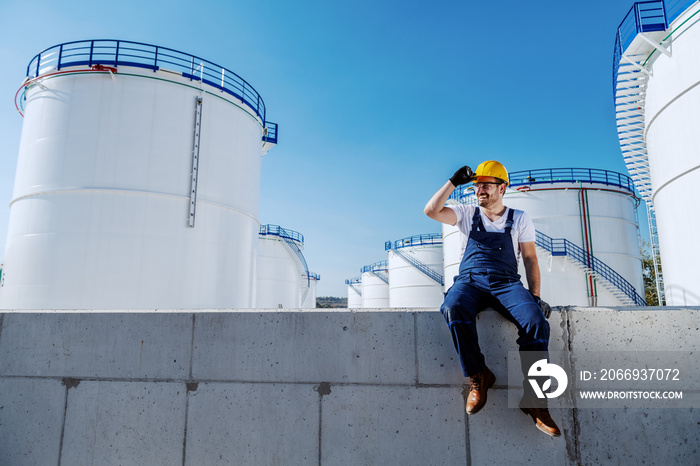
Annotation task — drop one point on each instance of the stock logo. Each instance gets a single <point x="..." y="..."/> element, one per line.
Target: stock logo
<point x="542" y="368"/>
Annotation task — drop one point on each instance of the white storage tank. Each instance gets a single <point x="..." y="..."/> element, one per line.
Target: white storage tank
<point x="283" y="278"/>
<point x="657" y="97"/>
<point x="310" y="300"/>
<point x="585" y="220"/>
<point x="354" y="292"/>
<point x="375" y="285"/>
<point x="137" y="182"/>
<point x="415" y="271"/>
<point x="453" y="244"/>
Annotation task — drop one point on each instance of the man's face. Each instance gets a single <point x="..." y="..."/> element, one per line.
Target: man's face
<point x="488" y="190"/>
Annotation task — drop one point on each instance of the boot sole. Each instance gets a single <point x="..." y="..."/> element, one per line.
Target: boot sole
<point x="538" y="426"/>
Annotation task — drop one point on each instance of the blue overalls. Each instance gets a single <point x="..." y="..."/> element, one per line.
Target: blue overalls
<point x="488" y="277"/>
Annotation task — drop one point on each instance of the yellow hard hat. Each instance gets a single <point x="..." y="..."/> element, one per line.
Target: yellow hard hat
<point x="493" y="169"/>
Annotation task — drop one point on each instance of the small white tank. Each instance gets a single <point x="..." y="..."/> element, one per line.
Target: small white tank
<point x="416" y="271"/>
<point x="354" y="292"/>
<point x="310" y="300"/>
<point x="281" y="274"/>
<point x="375" y="285"/>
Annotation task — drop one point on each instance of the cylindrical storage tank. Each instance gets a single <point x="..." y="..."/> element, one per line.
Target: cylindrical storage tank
<point x="415" y="271"/>
<point x="672" y="119"/>
<point x="281" y="274"/>
<point x="310" y="299"/>
<point x="354" y="292"/>
<point x="375" y="285"/>
<point x="453" y="246"/>
<point x="576" y="211"/>
<point x="137" y="182"/>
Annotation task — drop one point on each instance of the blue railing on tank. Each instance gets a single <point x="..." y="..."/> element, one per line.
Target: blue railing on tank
<point x="559" y="175"/>
<point x="270" y="133"/>
<point x="277" y="230"/>
<point x="314" y="276"/>
<point x="121" y="52"/>
<point x="564" y="247"/>
<point x="416" y="240"/>
<point x="380" y="266"/>
<point x="644" y="17"/>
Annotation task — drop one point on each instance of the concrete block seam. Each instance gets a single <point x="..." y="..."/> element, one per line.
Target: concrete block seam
<point x="69" y="383"/>
<point x="187" y="416"/>
<point x="573" y="448"/>
<point x="323" y="389"/>
<point x="192" y="344"/>
<point x="415" y="346"/>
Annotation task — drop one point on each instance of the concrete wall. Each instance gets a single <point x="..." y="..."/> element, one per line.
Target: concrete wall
<point x="310" y="387"/>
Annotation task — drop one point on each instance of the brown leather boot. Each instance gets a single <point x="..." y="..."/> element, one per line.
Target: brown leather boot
<point x="480" y="383"/>
<point x="543" y="420"/>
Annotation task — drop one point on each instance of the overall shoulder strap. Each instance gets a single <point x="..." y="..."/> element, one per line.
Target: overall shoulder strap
<point x="477" y="224"/>
<point x="509" y="221"/>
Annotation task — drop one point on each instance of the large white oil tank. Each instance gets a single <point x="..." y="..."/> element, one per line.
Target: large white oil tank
<point x="375" y="285"/>
<point x="137" y="182"/>
<point x="658" y="110"/>
<point x="585" y="221"/>
<point x="416" y="271"/>
<point x="354" y="292"/>
<point x="310" y="300"/>
<point x="283" y="277"/>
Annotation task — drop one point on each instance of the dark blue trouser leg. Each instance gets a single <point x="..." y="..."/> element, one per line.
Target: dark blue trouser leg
<point x="533" y="330"/>
<point x="460" y="309"/>
<point x="468" y="297"/>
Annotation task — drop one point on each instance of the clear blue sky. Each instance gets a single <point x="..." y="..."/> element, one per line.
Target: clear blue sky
<point x="378" y="102"/>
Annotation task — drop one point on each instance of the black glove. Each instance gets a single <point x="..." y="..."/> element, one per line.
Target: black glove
<point x="546" y="308"/>
<point x="462" y="176"/>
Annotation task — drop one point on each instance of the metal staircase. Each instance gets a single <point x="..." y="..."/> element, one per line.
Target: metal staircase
<point x="352" y="282"/>
<point x="420" y="266"/>
<point x="592" y="266"/>
<point x="379" y="270"/>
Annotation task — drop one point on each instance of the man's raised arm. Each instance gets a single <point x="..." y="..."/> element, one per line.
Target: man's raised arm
<point x="435" y="208"/>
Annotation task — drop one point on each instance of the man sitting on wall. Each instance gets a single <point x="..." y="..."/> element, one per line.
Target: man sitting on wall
<point x="496" y="236"/>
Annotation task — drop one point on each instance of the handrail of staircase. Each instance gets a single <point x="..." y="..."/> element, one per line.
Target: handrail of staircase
<point x="564" y="247"/>
<point x="352" y="282"/>
<point x="419" y="265"/>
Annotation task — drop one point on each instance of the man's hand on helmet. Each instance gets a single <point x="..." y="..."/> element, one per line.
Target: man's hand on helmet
<point x="462" y="176"/>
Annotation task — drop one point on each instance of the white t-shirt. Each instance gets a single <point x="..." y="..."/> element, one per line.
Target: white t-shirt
<point x="523" y="230"/>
